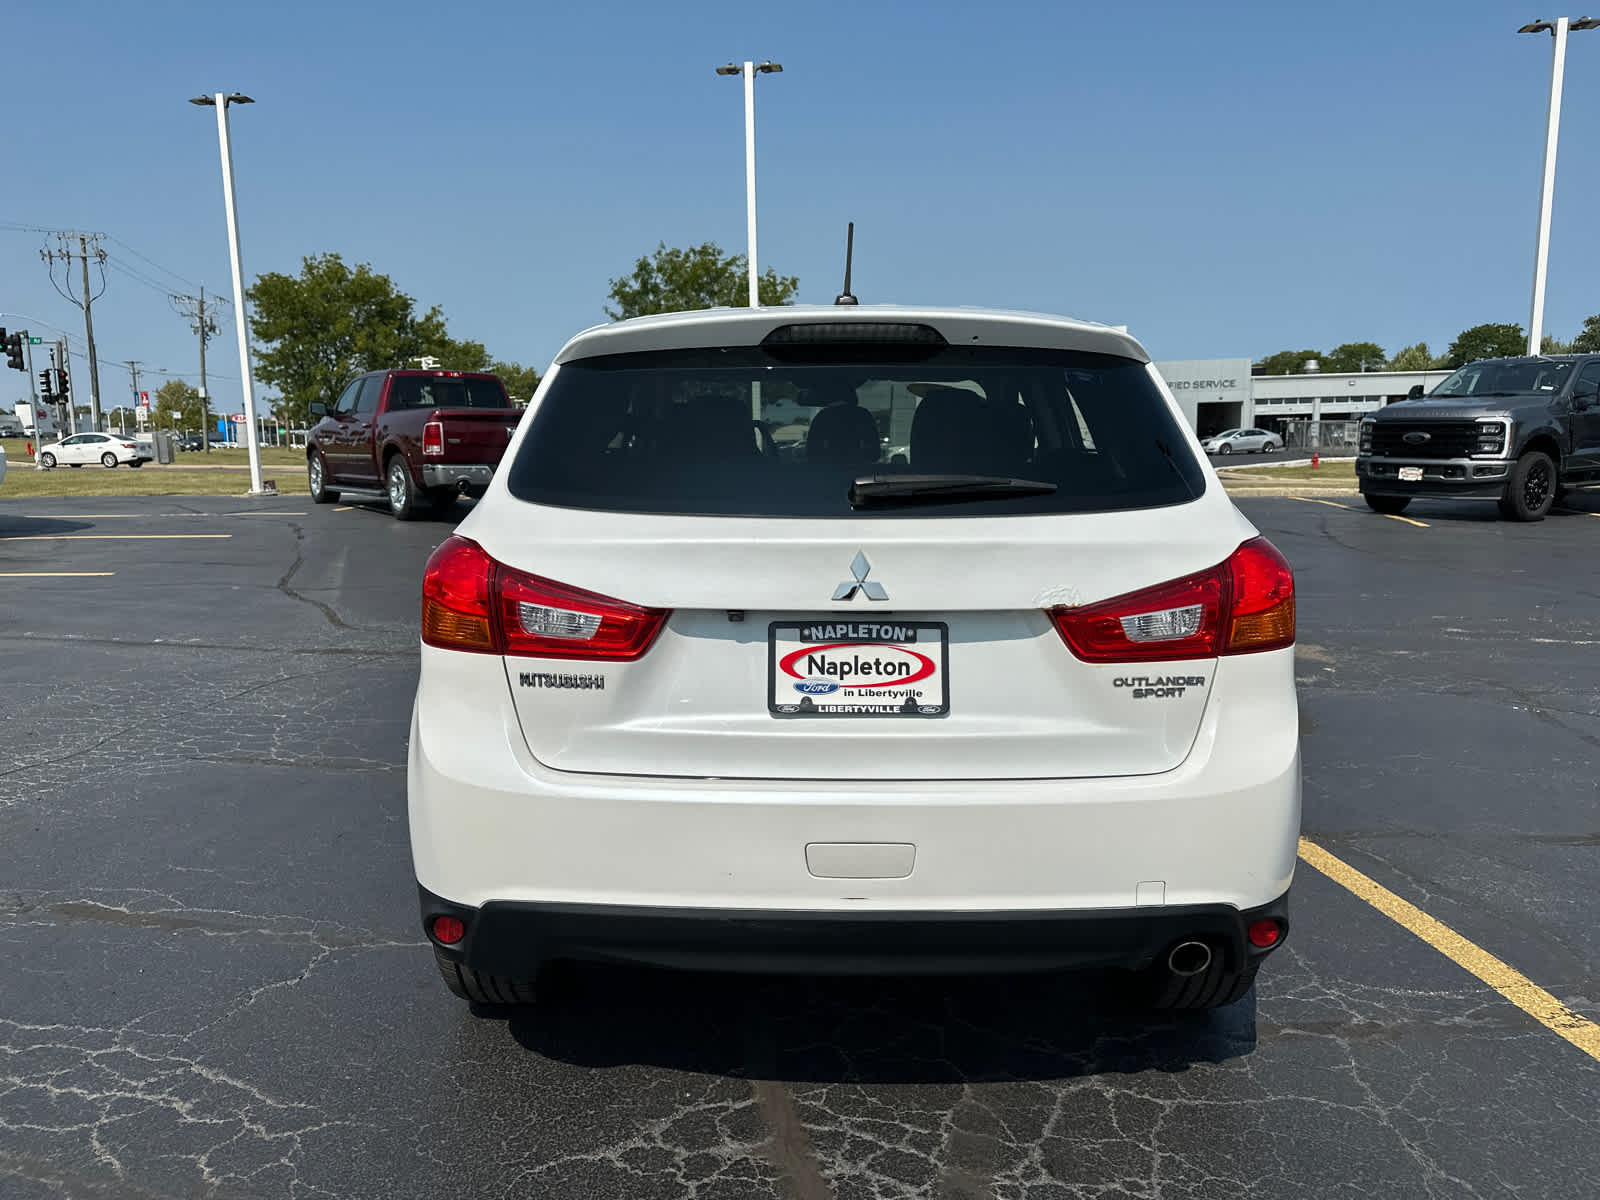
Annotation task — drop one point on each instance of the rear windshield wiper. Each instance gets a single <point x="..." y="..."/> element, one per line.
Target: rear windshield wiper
<point x="881" y="491"/>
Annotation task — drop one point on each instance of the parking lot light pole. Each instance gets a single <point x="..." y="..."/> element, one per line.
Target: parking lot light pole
<point x="750" y="70"/>
<point x="221" y="101"/>
<point x="1558" y="31"/>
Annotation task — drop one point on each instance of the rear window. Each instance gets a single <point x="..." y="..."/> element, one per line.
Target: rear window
<point x="738" y="432"/>
<point x="426" y="391"/>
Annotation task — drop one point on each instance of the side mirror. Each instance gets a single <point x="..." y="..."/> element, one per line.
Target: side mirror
<point x="1415" y="393"/>
<point x="318" y="409"/>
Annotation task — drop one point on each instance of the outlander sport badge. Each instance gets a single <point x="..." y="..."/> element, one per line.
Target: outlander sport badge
<point x="1416" y="437"/>
<point x="860" y="567"/>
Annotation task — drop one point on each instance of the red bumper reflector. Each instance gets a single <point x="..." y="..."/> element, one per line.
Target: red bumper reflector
<point x="1264" y="933"/>
<point x="448" y="930"/>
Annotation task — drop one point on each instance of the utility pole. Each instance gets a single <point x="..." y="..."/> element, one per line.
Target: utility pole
<point x="133" y="372"/>
<point x="85" y="253"/>
<point x="206" y="326"/>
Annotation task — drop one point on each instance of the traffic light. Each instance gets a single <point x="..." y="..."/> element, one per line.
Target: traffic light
<point x="63" y="385"/>
<point x="46" y="379"/>
<point x="13" y="346"/>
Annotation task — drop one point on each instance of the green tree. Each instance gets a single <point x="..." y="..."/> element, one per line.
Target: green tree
<point x="1551" y="344"/>
<point x="330" y="322"/>
<point x="520" y="381"/>
<point x="1485" y="341"/>
<point x="178" y="404"/>
<point x="1412" y="358"/>
<point x="1355" y="356"/>
<point x="1287" y="362"/>
<point x="1588" y="339"/>
<point x="700" y="277"/>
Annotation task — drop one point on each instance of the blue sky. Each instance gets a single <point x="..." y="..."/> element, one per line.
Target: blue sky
<point x="1226" y="179"/>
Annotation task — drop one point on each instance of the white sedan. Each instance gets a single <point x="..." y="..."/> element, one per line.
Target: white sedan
<point x="1230" y="440"/>
<point x="107" y="449"/>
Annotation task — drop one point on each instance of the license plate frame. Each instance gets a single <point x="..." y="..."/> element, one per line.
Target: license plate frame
<point x="1410" y="474"/>
<point x="831" y="633"/>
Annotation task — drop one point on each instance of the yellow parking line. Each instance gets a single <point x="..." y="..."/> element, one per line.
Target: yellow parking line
<point x="344" y="508"/>
<point x="112" y="537"/>
<point x="1407" y="520"/>
<point x="54" y="574"/>
<point x="1508" y="981"/>
<point x="1329" y="503"/>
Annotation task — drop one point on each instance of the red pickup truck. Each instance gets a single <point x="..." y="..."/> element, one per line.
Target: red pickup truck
<point x="422" y="438"/>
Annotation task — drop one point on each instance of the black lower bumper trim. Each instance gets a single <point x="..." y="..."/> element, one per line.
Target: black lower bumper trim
<point x="514" y="938"/>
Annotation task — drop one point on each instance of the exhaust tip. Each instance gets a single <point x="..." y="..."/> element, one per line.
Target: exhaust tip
<point x="1189" y="958"/>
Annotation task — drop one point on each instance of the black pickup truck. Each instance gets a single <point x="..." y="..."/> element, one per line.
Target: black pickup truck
<point x="1519" y="431"/>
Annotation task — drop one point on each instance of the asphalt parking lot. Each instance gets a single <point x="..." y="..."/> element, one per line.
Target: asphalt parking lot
<point x="215" y="984"/>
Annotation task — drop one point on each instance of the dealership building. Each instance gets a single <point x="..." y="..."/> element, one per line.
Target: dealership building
<point x="1309" y="409"/>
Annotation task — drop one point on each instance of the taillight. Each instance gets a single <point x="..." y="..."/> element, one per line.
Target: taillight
<point x="433" y="438"/>
<point x="1263" y="599"/>
<point x="544" y="619"/>
<point x="457" y="613"/>
<point x="471" y="602"/>
<point x="1242" y="606"/>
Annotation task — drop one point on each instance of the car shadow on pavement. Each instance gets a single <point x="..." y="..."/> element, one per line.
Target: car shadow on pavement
<point x="16" y="525"/>
<point x="871" y="1030"/>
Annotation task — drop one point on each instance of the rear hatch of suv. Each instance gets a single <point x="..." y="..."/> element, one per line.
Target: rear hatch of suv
<point x="868" y="557"/>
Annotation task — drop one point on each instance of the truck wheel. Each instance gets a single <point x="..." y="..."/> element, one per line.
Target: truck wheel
<point x="317" y="480"/>
<point x="1531" y="490"/>
<point x="1388" y="505"/>
<point x="402" y="495"/>
<point x="479" y="988"/>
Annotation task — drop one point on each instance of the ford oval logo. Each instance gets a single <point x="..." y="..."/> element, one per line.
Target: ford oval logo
<point x="1416" y="438"/>
<point x="816" y="687"/>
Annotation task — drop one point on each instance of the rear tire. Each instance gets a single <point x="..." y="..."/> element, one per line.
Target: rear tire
<point x="478" y="988"/>
<point x="402" y="493"/>
<point x="1215" y="987"/>
<point x="1389" y="506"/>
<point x="136" y="463"/>
<point x="108" y="460"/>
<point x="317" y="479"/>
<point x="1531" y="489"/>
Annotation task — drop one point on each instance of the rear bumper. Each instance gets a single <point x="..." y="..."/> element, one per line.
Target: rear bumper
<point x="514" y="938"/>
<point x="1061" y="871"/>
<point x="1460" y="479"/>
<point x="476" y="476"/>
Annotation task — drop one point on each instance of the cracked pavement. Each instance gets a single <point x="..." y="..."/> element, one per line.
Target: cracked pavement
<point x="215" y="986"/>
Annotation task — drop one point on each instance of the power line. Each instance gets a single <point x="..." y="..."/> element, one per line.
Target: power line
<point x="137" y="277"/>
<point x="152" y="262"/>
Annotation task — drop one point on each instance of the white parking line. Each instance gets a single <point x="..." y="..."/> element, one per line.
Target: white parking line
<point x="112" y="537"/>
<point x="55" y="574"/>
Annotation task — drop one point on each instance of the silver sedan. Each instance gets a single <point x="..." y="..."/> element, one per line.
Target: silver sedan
<point x="1241" y="440"/>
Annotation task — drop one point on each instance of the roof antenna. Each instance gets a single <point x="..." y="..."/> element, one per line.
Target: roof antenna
<point x="849" y="252"/>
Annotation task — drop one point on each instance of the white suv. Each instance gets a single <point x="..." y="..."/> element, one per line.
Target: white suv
<point x="711" y="679"/>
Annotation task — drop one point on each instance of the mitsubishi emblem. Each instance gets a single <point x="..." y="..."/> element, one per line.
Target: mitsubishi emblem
<point x="860" y="567"/>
